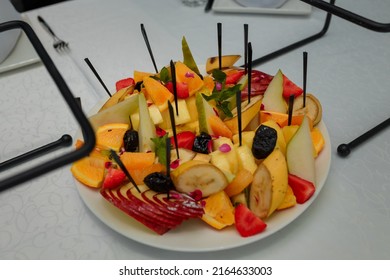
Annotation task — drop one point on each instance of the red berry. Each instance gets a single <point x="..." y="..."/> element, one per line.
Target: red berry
<point x="247" y="223"/>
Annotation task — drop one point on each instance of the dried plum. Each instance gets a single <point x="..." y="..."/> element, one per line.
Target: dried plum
<point x="130" y="140"/>
<point x="159" y="182"/>
<point x="202" y="143"/>
<point x="264" y="141"/>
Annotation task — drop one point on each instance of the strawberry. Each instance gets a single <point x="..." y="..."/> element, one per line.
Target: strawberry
<point x="247" y="223"/>
<point x="181" y="89"/>
<point x="302" y="188"/>
<point x="233" y="77"/>
<point x="185" y="139"/>
<point x="124" y="83"/>
<point x="290" y="88"/>
<point x="114" y="178"/>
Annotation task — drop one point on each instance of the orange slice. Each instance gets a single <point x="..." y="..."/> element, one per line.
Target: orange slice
<point x="89" y="171"/>
<point x="242" y="179"/>
<point x="135" y="160"/>
<point x="185" y="75"/>
<point x="110" y="136"/>
<point x="218" y="210"/>
<point x="158" y="93"/>
<point x="318" y="140"/>
<point x="140" y="173"/>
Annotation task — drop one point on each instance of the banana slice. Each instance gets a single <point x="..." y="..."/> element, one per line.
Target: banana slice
<point x="198" y="175"/>
<point x="313" y="108"/>
<point x="260" y="195"/>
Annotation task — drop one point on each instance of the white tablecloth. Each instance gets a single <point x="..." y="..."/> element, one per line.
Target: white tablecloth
<point x="45" y="218"/>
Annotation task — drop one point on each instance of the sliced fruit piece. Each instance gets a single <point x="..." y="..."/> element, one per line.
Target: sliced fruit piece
<point x="191" y="105"/>
<point x="260" y="194"/>
<point x="280" y="141"/>
<point x="89" y="171"/>
<point x="290" y="88"/>
<point x="247" y="224"/>
<point x="260" y="82"/>
<point x="227" y="61"/>
<point x="117" y="97"/>
<point x="188" y="59"/>
<point x="299" y="153"/>
<point x="301" y="188"/>
<point x="218" y="210"/>
<point x="124" y="83"/>
<point x="224" y="154"/>
<point x="110" y="136"/>
<point x="181" y="118"/>
<point x="277" y="167"/>
<point x="241" y="181"/>
<point x="198" y="175"/>
<point x="248" y="113"/>
<point x="318" y="140"/>
<point x="118" y="113"/>
<point x="245" y="157"/>
<point x="289" y="200"/>
<point x="187" y="76"/>
<point x="114" y="178"/>
<point x="313" y="108"/>
<point x="280" y="118"/>
<point x="184" y="156"/>
<point x="139" y="174"/>
<point x="137" y="160"/>
<point x="273" y="99"/>
<point x="154" y="113"/>
<point x="158" y="93"/>
<point x="146" y="130"/>
<point x="289" y="131"/>
<point x="247" y="138"/>
<point x="139" y="75"/>
<point x="205" y="110"/>
<point x="185" y="139"/>
<point x="218" y="127"/>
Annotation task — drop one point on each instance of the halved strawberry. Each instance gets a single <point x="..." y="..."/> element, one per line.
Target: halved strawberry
<point x="247" y="223"/>
<point x="233" y="77"/>
<point x="185" y="139"/>
<point x="124" y="83"/>
<point x="113" y="178"/>
<point x="302" y="188"/>
<point x="181" y="89"/>
<point x="290" y="88"/>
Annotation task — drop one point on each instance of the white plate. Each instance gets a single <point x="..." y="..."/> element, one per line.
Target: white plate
<point x="195" y="235"/>
<point x="291" y="7"/>
<point x="22" y="55"/>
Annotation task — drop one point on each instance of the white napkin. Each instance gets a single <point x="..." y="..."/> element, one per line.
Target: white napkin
<point x="8" y="39"/>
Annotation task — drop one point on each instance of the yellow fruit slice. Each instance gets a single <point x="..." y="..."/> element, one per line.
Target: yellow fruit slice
<point x="158" y="93"/>
<point x="289" y="200"/>
<point x="89" y="171"/>
<point x="110" y="136"/>
<point x="185" y="75"/>
<point x="219" y="210"/>
<point x="135" y="160"/>
<point x="242" y="179"/>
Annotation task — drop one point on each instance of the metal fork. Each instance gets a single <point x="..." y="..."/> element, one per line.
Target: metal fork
<point x="58" y="43"/>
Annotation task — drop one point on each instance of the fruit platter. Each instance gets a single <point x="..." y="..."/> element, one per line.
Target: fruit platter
<point x="204" y="158"/>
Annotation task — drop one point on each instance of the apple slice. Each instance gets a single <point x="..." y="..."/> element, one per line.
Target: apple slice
<point x="299" y="153"/>
<point x="273" y="96"/>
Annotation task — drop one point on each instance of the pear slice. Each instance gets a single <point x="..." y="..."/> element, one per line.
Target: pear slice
<point x="146" y="129"/>
<point x="299" y="153"/>
<point x="273" y="96"/>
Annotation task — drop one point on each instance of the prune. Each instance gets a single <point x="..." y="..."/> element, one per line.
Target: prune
<point x="130" y="140"/>
<point x="202" y="143"/>
<point x="159" y="182"/>
<point x="264" y="141"/>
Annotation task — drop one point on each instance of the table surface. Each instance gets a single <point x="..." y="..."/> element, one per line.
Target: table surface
<point x="45" y="218"/>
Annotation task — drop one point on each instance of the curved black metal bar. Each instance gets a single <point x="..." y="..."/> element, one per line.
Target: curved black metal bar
<point x="86" y="128"/>
<point x="298" y="44"/>
<point x="349" y="16"/>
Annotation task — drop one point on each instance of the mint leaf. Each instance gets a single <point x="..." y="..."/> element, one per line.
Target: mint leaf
<point x="160" y="148"/>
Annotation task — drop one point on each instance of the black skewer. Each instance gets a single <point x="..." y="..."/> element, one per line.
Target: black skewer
<point x="246" y="48"/>
<point x="345" y="149"/>
<point x="249" y="71"/>
<point x="148" y="46"/>
<point x="290" y="108"/>
<point x="239" y="117"/>
<point x="64" y="141"/>
<point x="97" y="75"/>
<point x="304" y="77"/>
<point x="173" y="74"/>
<point x="168" y="156"/>
<point x="173" y="124"/>
<point x="209" y="5"/>
<point x="219" y="32"/>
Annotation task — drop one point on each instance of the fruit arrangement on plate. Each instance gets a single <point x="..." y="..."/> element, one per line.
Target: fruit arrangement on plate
<point x="179" y="144"/>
